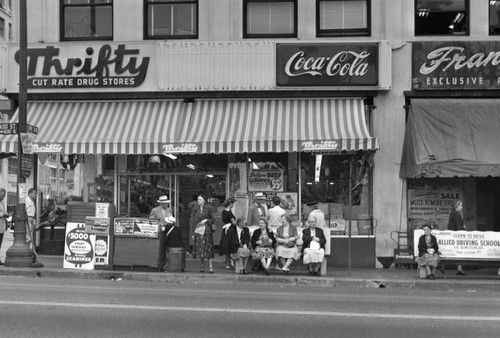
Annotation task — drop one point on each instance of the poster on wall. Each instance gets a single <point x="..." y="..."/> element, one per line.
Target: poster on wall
<point x="237" y="179"/>
<point x="78" y="247"/>
<point x="101" y="250"/>
<point x="266" y="180"/>
<point x="432" y="206"/>
<point x="288" y="202"/>
<point x="464" y="244"/>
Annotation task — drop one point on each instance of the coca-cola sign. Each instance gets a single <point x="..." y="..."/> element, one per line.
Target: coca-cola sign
<point x="456" y="65"/>
<point x="318" y="64"/>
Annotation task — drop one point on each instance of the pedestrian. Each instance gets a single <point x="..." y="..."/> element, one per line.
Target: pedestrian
<point x="263" y="242"/>
<point x="239" y="244"/>
<point x="456" y="223"/>
<point x="3" y="217"/>
<point x="31" y="225"/>
<point x="229" y="220"/>
<point x="203" y="225"/>
<point x="428" y="252"/>
<point x="313" y="247"/>
<point x="257" y="210"/>
<point x="276" y="212"/>
<point x="162" y="211"/>
<point x="286" y="250"/>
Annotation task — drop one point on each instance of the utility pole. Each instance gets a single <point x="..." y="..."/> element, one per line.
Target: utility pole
<point x="20" y="253"/>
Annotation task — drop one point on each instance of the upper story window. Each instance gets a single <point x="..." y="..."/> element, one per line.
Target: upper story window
<point x="86" y="20"/>
<point x="342" y="17"/>
<point x="269" y="19"/>
<point x="171" y="19"/>
<point x="2" y="28"/>
<point x="441" y="17"/>
<point x="494" y="20"/>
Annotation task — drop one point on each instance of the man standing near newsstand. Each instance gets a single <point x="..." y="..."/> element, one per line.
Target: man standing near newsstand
<point x="31" y="224"/>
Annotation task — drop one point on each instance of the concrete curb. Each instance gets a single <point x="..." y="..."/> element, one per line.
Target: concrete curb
<point x="251" y="279"/>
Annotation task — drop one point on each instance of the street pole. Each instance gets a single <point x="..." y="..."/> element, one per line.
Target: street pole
<point x="20" y="253"/>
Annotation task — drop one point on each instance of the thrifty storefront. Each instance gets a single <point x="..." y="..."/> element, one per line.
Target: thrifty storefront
<point x="156" y="133"/>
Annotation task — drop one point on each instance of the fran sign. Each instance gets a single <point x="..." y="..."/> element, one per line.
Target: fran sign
<point x="315" y="64"/>
<point x="456" y="65"/>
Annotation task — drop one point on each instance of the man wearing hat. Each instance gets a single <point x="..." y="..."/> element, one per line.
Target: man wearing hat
<point x="162" y="211"/>
<point x="257" y="210"/>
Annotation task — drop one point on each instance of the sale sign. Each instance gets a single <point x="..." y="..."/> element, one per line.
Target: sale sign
<point x="78" y="247"/>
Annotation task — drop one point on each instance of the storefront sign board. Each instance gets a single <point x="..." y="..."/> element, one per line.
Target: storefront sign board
<point x="107" y="66"/>
<point x="78" y="247"/>
<point x="432" y="206"/>
<point x="464" y="244"/>
<point x="136" y="227"/>
<point x="265" y="180"/>
<point x="455" y="65"/>
<point x="327" y="64"/>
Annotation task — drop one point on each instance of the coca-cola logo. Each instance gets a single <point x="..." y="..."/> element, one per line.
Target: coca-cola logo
<point x="341" y="64"/>
<point x="327" y="64"/>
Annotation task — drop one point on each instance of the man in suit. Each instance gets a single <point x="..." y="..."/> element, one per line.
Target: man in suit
<point x="257" y="210"/>
<point x="162" y="211"/>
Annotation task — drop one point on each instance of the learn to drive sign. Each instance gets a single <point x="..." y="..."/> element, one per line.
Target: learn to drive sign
<point x="314" y="64"/>
<point x="455" y="65"/>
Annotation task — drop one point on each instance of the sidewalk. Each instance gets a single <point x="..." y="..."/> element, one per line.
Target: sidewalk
<point x="479" y="279"/>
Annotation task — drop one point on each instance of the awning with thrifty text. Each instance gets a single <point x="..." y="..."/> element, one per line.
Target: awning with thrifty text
<point x="202" y="126"/>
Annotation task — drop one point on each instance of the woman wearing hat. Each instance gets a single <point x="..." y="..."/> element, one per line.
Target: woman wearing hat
<point x="201" y="222"/>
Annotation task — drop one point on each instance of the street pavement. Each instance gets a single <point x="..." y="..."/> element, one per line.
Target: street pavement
<point x="477" y="279"/>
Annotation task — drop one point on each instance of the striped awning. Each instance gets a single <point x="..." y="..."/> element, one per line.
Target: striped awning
<point x="205" y="126"/>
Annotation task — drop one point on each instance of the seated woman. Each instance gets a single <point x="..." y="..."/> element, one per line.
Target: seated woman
<point x="263" y="242"/>
<point x="239" y="243"/>
<point x="428" y="252"/>
<point x="313" y="247"/>
<point x="286" y="238"/>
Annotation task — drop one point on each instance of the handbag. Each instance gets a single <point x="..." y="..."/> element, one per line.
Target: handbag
<point x="290" y="244"/>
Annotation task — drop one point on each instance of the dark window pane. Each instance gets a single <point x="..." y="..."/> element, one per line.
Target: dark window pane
<point x="82" y="22"/>
<point x="441" y="17"/>
<point x="495" y="17"/>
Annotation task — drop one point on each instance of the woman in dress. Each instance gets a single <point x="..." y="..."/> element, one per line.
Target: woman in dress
<point x="229" y="220"/>
<point x="263" y="242"/>
<point x="313" y="247"/>
<point x="428" y="252"/>
<point x="239" y="244"/>
<point x="287" y="236"/>
<point x="201" y="222"/>
<point x="3" y="219"/>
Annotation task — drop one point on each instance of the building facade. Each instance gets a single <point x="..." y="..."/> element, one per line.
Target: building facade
<point x="304" y="99"/>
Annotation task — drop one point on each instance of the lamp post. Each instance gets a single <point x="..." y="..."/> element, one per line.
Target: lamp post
<point x="20" y="253"/>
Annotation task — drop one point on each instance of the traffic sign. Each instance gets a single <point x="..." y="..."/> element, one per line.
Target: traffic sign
<point x="15" y="128"/>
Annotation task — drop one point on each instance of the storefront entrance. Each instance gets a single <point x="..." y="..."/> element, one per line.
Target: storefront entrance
<point x="139" y="194"/>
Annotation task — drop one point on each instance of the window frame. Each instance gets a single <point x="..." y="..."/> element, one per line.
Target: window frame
<point x="62" y="25"/>
<point x="147" y="3"/>
<point x="325" y="33"/>
<point x="467" y="28"/>
<point x="247" y="35"/>
<point x="489" y="23"/>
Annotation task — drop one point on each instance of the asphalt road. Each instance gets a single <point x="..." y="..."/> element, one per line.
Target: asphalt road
<point x="101" y="308"/>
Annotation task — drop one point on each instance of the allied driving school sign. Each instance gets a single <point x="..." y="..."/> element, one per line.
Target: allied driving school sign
<point x="314" y="64"/>
<point x="455" y="65"/>
<point x="83" y="66"/>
